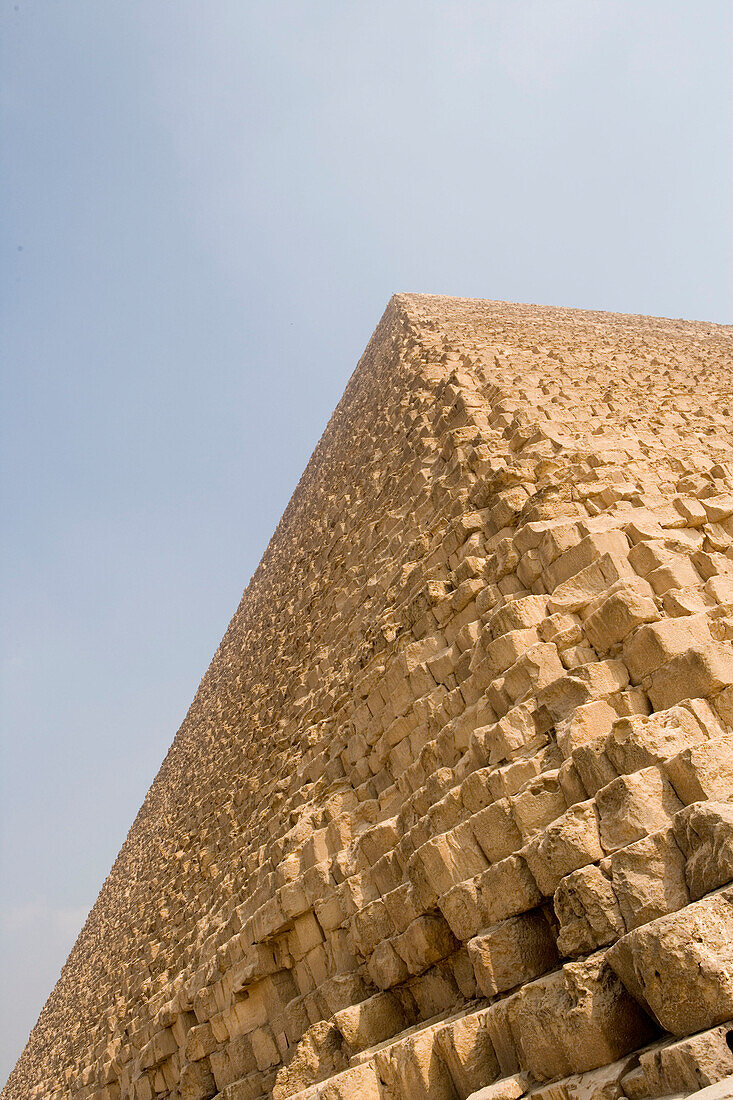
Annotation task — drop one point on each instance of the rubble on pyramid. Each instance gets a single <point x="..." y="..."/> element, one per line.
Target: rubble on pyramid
<point x="451" y="814"/>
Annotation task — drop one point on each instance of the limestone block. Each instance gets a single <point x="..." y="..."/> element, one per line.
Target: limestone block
<point x="329" y="913"/>
<point x="342" y="960"/>
<point x="475" y="791"/>
<point x="236" y="1060"/>
<point x="307" y="934"/>
<point x="463" y="910"/>
<point x="575" y="594"/>
<point x="597" y="680"/>
<point x="413" y="1068"/>
<point x="496" y="831"/>
<point x="686" y="601"/>
<point x="596" y="1084"/>
<point x="704" y="832"/>
<point x="648" y="878"/>
<point x="503" y="651"/>
<point x="318" y="1055"/>
<point x="539" y="803"/>
<point x="513" y="951"/>
<point x="465" y="1046"/>
<point x="268" y="920"/>
<point x="342" y="991"/>
<point x="401" y="906"/>
<point x="427" y="939"/>
<point x="160" y="1047"/>
<point x="424" y="892"/>
<point x="360" y="1080"/>
<point x="656" y="960"/>
<point x="633" y="805"/>
<point x="691" y="510"/>
<point x="570" y="842"/>
<point x="386" y="968"/>
<point x="588" y="911"/>
<point x="248" y="1088"/>
<point x="722" y="1090"/>
<point x="200" y="1042"/>
<point x="445" y="814"/>
<point x="709" y="564"/>
<point x="697" y="674"/>
<point x="639" y="740"/>
<point x="718" y="508"/>
<point x="651" y="646"/>
<point x="264" y="1048"/>
<point x="435" y="992"/>
<point x="507" y="889"/>
<point x="462" y="971"/>
<point x="511" y="778"/>
<point x="371" y="1021"/>
<point x="517" y="615"/>
<point x="536" y="668"/>
<point x="292" y="898"/>
<point x="723" y="705"/>
<point x="508" y="1088"/>
<point x="688" y="1064"/>
<point x="513" y="733"/>
<point x="451" y="858"/>
<point x="379" y="840"/>
<point x="720" y="589"/>
<point x="575" y="1020"/>
<point x="577" y="655"/>
<point x="197" y="1082"/>
<point x="580" y="556"/>
<point x="593" y="765"/>
<point x="571" y="784"/>
<point x="587" y="722"/>
<point x="554" y="537"/>
<point x="704" y="770"/>
<point x="677" y="572"/>
<point x="368" y="927"/>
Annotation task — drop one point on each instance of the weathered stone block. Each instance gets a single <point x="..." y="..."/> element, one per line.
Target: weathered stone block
<point x="465" y="1046"/>
<point x="575" y="1020"/>
<point x="512" y="952"/>
<point x="588" y="911"/>
<point x="656" y="961"/>
<point x="371" y="1021"/>
<point x="496" y="831"/>
<point x="704" y="770"/>
<point x="697" y="674"/>
<point x="426" y="940"/>
<point x="567" y="844"/>
<point x="704" y="832"/>
<point x="413" y="1068"/>
<point x="634" y="805"/>
<point x="649" y="878"/>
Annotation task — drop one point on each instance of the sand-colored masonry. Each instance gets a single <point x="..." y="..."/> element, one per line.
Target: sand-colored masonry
<point x="451" y="809"/>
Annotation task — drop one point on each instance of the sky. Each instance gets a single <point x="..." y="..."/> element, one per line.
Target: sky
<point x="206" y="206"/>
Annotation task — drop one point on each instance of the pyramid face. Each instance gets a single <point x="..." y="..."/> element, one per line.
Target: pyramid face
<point x="450" y="809"/>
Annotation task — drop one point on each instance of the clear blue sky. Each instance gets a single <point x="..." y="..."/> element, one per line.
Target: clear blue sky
<point x="206" y="206"/>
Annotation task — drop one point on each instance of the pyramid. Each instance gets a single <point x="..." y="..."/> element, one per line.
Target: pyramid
<point x="451" y="811"/>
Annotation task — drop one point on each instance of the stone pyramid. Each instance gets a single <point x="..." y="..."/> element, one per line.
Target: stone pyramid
<point x="451" y="811"/>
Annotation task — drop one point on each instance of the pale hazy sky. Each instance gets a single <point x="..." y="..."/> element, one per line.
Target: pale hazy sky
<point x="206" y="206"/>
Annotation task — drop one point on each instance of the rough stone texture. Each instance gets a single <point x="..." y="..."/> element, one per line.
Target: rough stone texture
<point x="450" y="812"/>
